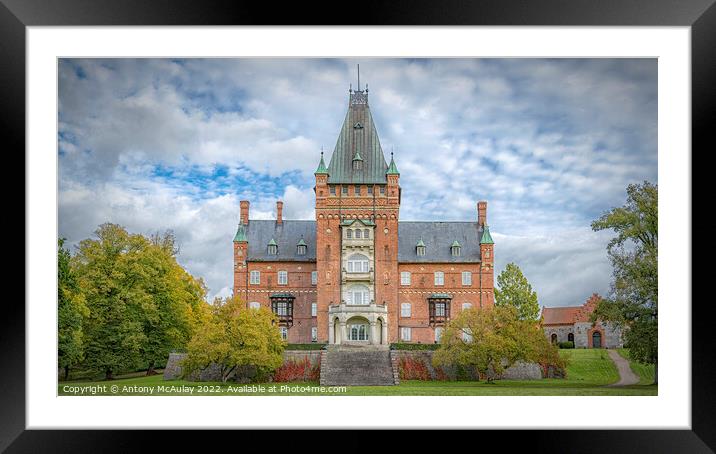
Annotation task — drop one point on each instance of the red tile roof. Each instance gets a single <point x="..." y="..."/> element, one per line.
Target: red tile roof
<point x="569" y="315"/>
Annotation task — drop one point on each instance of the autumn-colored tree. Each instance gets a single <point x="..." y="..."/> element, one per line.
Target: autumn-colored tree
<point x="513" y="289"/>
<point x="234" y="336"/>
<point x="141" y="302"/>
<point x="633" y="302"/>
<point x="71" y="310"/>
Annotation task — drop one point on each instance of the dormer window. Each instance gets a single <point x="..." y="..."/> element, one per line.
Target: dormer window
<point x="272" y="247"/>
<point x="357" y="165"/>
<point x="455" y="249"/>
<point x="301" y="247"/>
<point x="420" y="248"/>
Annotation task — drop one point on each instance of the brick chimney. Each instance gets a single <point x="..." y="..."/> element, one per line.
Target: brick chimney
<point x="482" y="212"/>
<point x="244" y="217"/>
<point x="279" y="212"/>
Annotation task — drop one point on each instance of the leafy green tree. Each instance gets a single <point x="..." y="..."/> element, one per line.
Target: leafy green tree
<point x="71" y="310"/>
<point x="141" y="301"/>
<point x="488" y="340"/>
<point x="234" y="336"/>
<point x="633" y="252"/>
<point x="515" y="290"/>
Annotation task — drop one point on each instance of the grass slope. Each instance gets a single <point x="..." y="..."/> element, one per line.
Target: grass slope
<point x="644" y="371"/>
<point x="587" y="373"/>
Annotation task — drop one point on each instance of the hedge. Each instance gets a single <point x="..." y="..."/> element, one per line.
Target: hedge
<point x="406" y="346"/>
<point x="312" y="346"/>
<point x="568" y="344"/>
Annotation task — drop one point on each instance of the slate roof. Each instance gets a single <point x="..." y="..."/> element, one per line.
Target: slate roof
<point x="438" y="237"/>
<point x="358" y="136"/>
<point x="286" y="235"/>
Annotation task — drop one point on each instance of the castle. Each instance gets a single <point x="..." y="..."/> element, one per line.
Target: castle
<point x="357" y="274"/>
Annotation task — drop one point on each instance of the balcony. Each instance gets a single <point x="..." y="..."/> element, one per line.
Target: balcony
<point x="282" y="306"/>
<point x="439" y="309"/>
<point x="366" y="276"/>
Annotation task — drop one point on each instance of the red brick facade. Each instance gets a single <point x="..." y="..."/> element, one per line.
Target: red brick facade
<point x="379" y="205"/>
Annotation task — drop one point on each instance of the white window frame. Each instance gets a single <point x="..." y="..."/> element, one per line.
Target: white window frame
<point x="359" y="234"/>
<point x="314" y="277"/>
<point x="361" y="332"/>
<point x="405" y="278"/>
<point x="282" y="277"/>
<point x="439" y="278"/>
<point x="405" y="333"/>
<point x="314" y="309"/>
<point x="314" y="334"/>
<point x="405" y="309"/>
<point x="257" y="275"/>
<point x="284" y="332"/>
<point x="438" y="333"/>
<point x="254" y="305"/>
<point x="420" y="250"/>
<point x="355" y="265"/>
<point x="349" y="234"/>
<point x="359" y="290"/>
<point x="467" y="337"/>
<point x="467" y="278"/>
<point x="466" y="306"/>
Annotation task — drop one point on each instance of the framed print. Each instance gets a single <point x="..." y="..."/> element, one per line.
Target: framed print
<point x="415" y="217"/>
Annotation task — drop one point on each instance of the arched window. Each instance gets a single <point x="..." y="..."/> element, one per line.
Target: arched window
<point x="358" y="233"/>
<point x="358" y="263"/>
<point x="366" y="233"/>
<point x="570" y="337"/>
<point x="349" y="234"/>
<point x="554" y="338"/>
<point x="359" y="295"/>
<point x="254" y="305"/>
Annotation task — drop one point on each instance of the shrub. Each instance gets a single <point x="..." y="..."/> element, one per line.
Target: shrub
<point x="406" y="346"/>
<point x="413" y="369"/>
<point x="568" y="344"/>
<point x="297" y="371"/>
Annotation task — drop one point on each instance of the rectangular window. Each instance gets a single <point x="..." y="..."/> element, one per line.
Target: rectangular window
<point x="466" y="278"/>
<point x="405" y="278"/>
<point x="466" y="306"/>
<point x="438" y="333"/>
<point x="405" y="310"/>
<point x="370" y="190"/>
<point x="314" y="277"/>
<point x="356" y="190"/>
<point x="282" y="277"/>
<point x="466" y="336"/>
<point x="314" y="309"/>
<point x="255" y="277"/>
<point x="344" y="190"/>
<point x="333" y="190"/>
<point x="440" y="309"/>
<point x="439" y="278"/>
<point x="382" y="189"/>
<point x="314" y="334"/>
<point x="405" y="334"/>
<point x="284" y="332"/>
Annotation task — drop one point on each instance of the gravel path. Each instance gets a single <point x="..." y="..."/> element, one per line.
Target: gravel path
<point x="627" y="377"/>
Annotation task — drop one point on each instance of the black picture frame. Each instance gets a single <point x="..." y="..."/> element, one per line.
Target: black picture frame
<point x="700" y="15"/>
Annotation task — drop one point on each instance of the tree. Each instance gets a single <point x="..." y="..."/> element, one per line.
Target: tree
<point x="515" y="290"/>
<point x="489" y="340"/>
<point x="141" y="300"/>
<point x="71" y="311"/>
<point x="234" y="336"/>
<point x="633" y="301"/>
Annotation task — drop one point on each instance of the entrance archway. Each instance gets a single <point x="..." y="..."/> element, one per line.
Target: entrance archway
<point x="358" y="329"/>
<point x="596" y="339"/>
<point x="554" y="338"/>
<point x="570" y="337"/>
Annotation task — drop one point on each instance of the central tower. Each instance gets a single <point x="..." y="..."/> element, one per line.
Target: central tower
<point x="357" y="210"/>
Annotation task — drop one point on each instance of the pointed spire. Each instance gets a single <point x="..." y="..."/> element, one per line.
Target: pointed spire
<point x="321" y="170"/>
<point x="486" y="237"/>
<point x="392" y="168"/>
<point x="240" y="234"/>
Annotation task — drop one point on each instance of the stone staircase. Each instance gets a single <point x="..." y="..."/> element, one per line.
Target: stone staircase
<point x="357" y="366"/>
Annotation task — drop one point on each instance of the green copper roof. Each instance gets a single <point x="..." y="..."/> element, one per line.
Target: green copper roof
<point x="420" y="243"/>
<point x="240" y="234"/>
<point x="486" y="237"/>
<point x="440" y="296"/>
<point x="358" y="133"/>
<point x="455" y="243"/>
<point x="392" y="169"/>
<point x="321" y="167"/>
<point x="357" y="156"/>
<point x="281" y="295"/>
<point x="351" y="221"/>
<point x="301" y="242"/>
<point x="272" y="242"/>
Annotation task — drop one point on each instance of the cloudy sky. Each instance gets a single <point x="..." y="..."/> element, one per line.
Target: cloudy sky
<point x="156" y="144"/>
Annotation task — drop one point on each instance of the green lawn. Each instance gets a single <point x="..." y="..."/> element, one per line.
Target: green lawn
<point x="644" y="371"/>
<point x="588" y="372"/>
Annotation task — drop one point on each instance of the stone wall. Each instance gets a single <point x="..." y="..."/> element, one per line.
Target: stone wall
<point x="173" y="369"/>
<point x="518" y="371"/>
